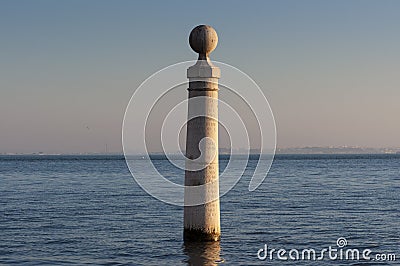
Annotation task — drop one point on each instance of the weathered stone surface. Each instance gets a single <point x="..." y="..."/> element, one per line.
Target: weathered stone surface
<point x="203" y="39"/>
<point x="200" y="235"/>
<point x="202" y="222"/>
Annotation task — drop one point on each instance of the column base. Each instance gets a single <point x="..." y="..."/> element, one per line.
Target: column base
<point x="199" y="235"/>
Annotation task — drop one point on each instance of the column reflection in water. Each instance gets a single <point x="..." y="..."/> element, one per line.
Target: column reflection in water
<point x="202" y="253"/>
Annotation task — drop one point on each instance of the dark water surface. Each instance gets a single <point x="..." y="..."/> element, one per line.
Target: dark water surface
<point x="63" y="210"/>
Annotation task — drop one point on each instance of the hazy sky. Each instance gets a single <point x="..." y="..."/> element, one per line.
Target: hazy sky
<point x="330" y="69"/>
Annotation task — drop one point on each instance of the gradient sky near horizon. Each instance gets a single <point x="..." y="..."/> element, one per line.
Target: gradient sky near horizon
<point x="330" y="69"/>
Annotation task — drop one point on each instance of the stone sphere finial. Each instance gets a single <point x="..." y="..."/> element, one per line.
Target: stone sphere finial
<point x="203" y="39"/>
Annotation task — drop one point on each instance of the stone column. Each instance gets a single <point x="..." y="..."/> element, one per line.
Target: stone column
<point x="202" y="221"/>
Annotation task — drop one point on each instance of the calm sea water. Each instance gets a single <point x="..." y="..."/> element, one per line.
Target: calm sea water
<point x="63" y="210"/>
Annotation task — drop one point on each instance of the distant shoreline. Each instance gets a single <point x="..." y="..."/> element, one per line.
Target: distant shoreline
<point x="155" y="155"/>
<point x="224" y="151"/>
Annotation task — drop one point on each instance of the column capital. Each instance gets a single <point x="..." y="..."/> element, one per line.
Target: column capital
<point x="204" y="69"/>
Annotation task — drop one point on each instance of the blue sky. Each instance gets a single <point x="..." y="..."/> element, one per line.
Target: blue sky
<point x="68" y="68"/>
